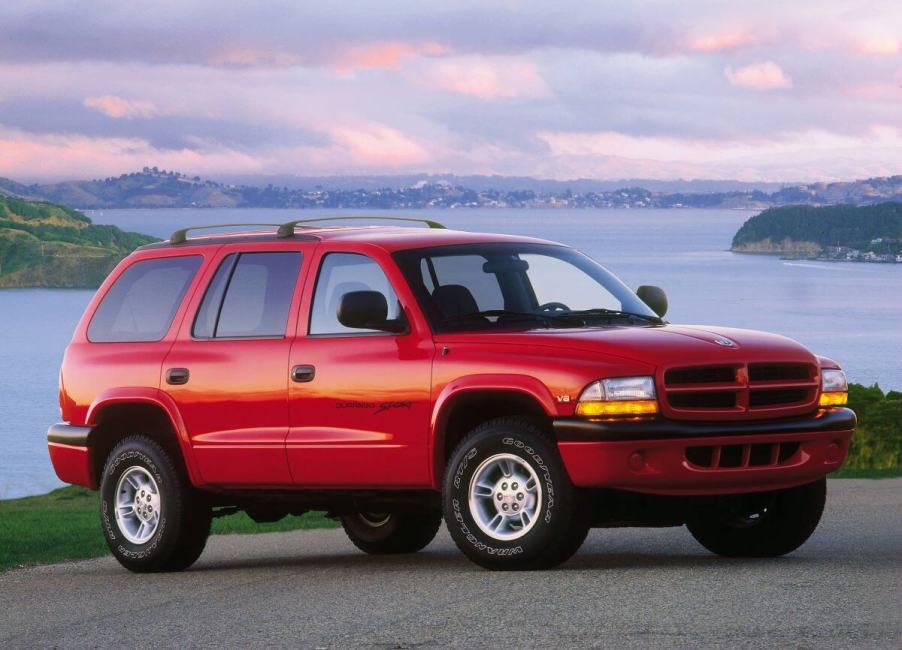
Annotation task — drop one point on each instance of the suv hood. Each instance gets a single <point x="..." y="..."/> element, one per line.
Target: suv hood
<point x="664" y="345"/>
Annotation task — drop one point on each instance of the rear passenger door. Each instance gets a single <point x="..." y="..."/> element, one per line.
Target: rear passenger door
<point x="228" y="369"/>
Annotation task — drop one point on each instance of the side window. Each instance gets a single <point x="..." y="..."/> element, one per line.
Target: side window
<point x="142" y="302"/>
<point x="341" y="273"/>
<point x="249" y="296"/>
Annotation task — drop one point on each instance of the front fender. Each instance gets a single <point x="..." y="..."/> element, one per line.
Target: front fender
<point x="462" y="386"/>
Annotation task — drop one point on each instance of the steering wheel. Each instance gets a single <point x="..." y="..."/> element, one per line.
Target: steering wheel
<point x="554" y="306"/>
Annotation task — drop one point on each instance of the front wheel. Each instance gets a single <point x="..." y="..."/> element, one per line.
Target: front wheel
<point x="152" y="519"/>
<point x="767" y="524"/>
<point x="508" y="500"/>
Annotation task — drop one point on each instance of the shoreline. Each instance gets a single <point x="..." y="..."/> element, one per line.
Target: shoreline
<point x="784" y="255"/>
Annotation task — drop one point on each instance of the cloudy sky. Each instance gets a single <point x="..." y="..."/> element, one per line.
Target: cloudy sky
<point x="697" y="89"/>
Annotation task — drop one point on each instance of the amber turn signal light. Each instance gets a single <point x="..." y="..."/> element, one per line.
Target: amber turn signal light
<point x="834" y="399"/>
<point x="622" y="407"/>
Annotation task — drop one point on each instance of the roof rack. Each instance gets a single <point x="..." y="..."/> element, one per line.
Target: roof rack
<point x="181" y="236"/>
<point x="287" y="229"/>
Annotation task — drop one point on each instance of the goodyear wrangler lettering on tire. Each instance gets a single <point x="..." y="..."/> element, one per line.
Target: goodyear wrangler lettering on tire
<point x="463" y="466"/>
<point x="549" y="484"/>
<point x="508" y="500"/>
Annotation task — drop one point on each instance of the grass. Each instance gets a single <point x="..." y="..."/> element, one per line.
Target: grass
<point x="893" y="472"/>
<point x="65" y="525"/>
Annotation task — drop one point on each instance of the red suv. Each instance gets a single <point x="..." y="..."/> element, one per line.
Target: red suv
<point x="395" y="375"/>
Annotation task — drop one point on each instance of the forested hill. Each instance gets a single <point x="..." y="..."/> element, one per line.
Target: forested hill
<point x="797" y="228"/>
<point x="47" y="245"/>
<point x="155" y="188"/>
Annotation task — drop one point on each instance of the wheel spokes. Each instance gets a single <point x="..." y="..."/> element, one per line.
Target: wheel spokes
<point x="505" y="496"/>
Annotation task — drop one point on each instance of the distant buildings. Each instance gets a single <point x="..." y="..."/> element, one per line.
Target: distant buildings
<point x="848" y="254"/>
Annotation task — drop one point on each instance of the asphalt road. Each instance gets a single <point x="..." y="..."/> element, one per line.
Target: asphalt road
<point x="626" y="588"/>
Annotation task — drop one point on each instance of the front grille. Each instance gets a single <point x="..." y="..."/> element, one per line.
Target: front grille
<point x="776" y="397"/>
<point x="712" y="400"/>
<point x="756" y="389"/>
<point x="703" y="375"/>
<point x="759" y="454"/>
<point x="779" y="371"/>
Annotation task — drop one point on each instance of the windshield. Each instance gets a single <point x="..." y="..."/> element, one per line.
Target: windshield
<point x="510" y="285"/>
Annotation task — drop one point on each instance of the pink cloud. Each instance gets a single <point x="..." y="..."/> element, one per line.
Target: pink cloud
<point x="119" y="107"/>
<point x="877" y="45"/>
<point x="75" y="156"/>
<point x="766" y="75"/>
<point x="379" y="145"/>
<point x="722" y="41"/>
<point x="386" y="55"/>
<point x="488" y="79"/>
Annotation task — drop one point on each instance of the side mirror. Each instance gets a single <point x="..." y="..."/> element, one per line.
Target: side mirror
<point x="654" y="297"/>
<point x="367" y="310"/>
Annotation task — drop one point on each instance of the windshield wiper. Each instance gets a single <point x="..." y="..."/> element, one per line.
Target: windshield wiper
<point x="508" y="314"/>
<point x="600" y="312"/>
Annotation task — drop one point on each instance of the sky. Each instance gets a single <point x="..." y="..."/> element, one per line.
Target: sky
<point x="755" y="91"/>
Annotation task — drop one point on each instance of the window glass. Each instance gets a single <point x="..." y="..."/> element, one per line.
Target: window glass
<point x="141" y="304"/>
<point x="556" y="281"/>
<point x="258" y="295"/>
<point x="205" y="323"/>
<point x="342" y="273"/>
<point x="467" y="271"/>
<point x="516" y="285"/>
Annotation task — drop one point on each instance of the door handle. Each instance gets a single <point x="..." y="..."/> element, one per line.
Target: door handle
<point x="177" y="376"/>
<point x="302" y="374"/>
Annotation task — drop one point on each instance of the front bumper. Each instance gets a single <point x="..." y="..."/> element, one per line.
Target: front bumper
<point x="72" y="454"/>
<point x="660" y="456"/>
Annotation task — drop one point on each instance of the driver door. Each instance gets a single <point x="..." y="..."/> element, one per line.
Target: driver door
<point x="359" y="399"/>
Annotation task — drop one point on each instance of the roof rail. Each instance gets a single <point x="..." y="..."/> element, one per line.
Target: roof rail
<point x="181" y="236"/>
<point x="287" y="229"/>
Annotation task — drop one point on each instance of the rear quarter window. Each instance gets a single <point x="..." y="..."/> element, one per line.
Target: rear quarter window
<point x="141" y="304"/>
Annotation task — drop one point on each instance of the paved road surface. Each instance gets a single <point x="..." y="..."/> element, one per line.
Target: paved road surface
<point x="626" y="588"/>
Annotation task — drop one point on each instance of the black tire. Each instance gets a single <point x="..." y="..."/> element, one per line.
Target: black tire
<point x="561" y="520"/>
<point x="391" y="533"/>
<point x="183" y="523"/>
<point x="767" y="524"/>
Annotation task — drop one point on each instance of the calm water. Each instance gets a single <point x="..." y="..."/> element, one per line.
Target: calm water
<point x="851" y="312"/>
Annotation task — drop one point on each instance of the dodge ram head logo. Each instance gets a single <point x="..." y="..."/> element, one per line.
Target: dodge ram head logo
<point x="727" y="343"/>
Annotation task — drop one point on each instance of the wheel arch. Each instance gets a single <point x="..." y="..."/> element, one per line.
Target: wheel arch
<point x="149" y="412"/>
<point x="464" y="404"/>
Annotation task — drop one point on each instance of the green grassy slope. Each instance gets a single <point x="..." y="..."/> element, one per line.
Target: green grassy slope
<point x="48" y="245"/>
<point x="65" y="525"/>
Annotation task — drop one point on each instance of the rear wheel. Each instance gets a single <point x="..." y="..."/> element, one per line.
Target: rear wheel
<point x="767" y="524"/>
<point x="383" y="533"/>
<point x="508" y="500"/>
<point x="152" y="519"/>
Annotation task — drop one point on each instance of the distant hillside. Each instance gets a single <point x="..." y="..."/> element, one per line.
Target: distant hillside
<point x="47" y="245"/>
<point x="482" y="182"/>
<point x="154" y="188"/>
<point x="806" y="229"/>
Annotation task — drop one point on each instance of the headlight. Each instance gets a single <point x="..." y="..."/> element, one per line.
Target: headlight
<point x="834" y="387"/>
<point x="618" y="396"/>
